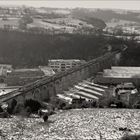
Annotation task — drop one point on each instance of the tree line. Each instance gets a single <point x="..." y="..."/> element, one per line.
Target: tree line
<point x="29" y="50"/>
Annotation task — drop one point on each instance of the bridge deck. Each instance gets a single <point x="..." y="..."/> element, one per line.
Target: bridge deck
<point x="9" y="95"/>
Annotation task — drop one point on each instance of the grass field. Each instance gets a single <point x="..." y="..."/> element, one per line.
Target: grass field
<point x="12" y="22"/>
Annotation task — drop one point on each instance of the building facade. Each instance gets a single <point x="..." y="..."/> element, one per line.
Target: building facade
<point x="62" y="65"/>
<point x="5" y="69"/>
<point x="48" y="71"/>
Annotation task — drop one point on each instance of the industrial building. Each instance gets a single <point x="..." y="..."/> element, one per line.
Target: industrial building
<point x="62" y="65"/>
<point x="126" y="83"/>
<point x="118" y="75"/>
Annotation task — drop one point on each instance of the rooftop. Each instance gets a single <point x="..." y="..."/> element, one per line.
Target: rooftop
<point x="65" y="60"/>
<point x="26" y="70"/>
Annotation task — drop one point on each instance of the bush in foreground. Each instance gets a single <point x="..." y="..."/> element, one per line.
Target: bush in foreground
<point x="34" y="105"/>
<point x="131" y="137"/>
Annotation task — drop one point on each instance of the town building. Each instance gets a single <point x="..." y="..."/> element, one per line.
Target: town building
<point x="48" y="71"/>
<point x="62" y="64"/>
<point x="124" y="81"/>
<point x="5" y="69"/>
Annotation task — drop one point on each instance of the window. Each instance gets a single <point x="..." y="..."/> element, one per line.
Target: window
<point x="63" y="64"/>
<point x="68" y="66"/>
<point x="62" y="67"/>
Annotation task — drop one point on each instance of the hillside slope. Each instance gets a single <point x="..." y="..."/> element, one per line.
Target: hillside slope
<point x="73" y="124"/>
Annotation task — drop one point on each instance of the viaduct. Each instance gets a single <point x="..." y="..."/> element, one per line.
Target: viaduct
<point x="48" y="87"/>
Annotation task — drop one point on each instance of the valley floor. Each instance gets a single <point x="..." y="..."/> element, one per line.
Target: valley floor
<point x="73" y="124"/>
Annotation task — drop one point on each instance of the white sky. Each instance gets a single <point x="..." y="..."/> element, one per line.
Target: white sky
<point x="114" y="4"/>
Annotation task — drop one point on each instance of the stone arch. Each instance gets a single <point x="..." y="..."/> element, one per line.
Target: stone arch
<point x="58" y="86"/>
<point x="29" y="95"/>
<point x="64" y="83"/>
<point x="20" y="98"/>
<point x="87" y="72"/>
<point x="57" y="81"/>
<point x="45" y="94"/>
<point x="2" y="80"/>
<point x="75" y="78"/>
<point x="99" y="67"/>
<point x="52" y="89"/>
<point x="78" y="73"/>
<point x="36" y="94"/>
<point x="13" y="104"/>
<point x="91" y="70"/>
<point x="83" y="73"/>
<point x="44" y="87"/>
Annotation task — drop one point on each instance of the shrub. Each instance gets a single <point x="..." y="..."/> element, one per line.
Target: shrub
<point x="19" y="107"/>
<point x="28" y="111"/>
<point x="11" y="108"/>
<point x="1" y="110"/>
<point x="131" y="137"/>
<point x="45" y="117"/>
<point x="61" y="105"/>
<point x="68" y="106"/>
<point x="33" y="104"/>
<point x="4" y="115"/>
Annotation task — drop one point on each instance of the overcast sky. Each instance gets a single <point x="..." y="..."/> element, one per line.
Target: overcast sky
<point x="114" y="4"/>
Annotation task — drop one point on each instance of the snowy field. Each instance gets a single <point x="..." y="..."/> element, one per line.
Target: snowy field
<point x="73" y="124"/>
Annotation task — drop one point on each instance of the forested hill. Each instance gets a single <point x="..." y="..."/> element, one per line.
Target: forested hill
<point x="23" y="49"/>
<point x="88" y="16"/>
<point x="131" y="57"/>
<point x="107" y="15"/>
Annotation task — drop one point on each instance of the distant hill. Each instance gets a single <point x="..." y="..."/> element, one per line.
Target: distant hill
<point x="110" y="17"/>
<point x="108" y="14"/>
<point x="131" y="57"/>
<point x="87" y="16"/>
<point x="68" y="19"/>
<point x="33" y="49"/>
<point x="98" y="18"/>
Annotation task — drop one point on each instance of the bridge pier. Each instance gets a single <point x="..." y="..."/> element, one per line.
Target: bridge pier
<point x="96" y="68"/>
<point x="45" y="95"/>
<point x="65" y="83"/>
<point x="29" y="95"/>
<point x="83" y="75"/>
<point x="91" y="70"/>
<point x="58" y="86"/>
<point x="20" y="98"/>
<point x="79" y="78"/>
<point x="74" y="78"/>
<point x="69" y="78"/>
<point x="37" y="94"/>
<point x="52" y="90"/>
